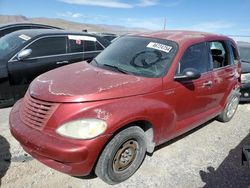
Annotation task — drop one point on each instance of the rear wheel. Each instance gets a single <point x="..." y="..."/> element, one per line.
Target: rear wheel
<point x="230" y="109"/>
<point x="122" y="156"/>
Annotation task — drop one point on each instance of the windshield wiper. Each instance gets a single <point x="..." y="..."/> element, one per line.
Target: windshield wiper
<point x="94" y="60"/>
<point x="116" y="68"/>
<point x="245" y="61"/>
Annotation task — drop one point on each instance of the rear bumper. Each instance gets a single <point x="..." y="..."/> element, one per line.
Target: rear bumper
<point x="74" y="157"/>
<point x="245" y="92"/>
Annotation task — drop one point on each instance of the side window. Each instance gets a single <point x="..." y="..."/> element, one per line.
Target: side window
<point x="196" y="57"/>
<point x="75" y="46"/>
<point x="92" y="46"/>
<point x="48" y="46"/>
<point x="219" y="54"/>
<point x="234" y="57"/>
<point x="79" y="46"/>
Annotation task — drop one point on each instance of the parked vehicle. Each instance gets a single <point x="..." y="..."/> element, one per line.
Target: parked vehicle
<point x="25" y="54"/>
<point x="141" y="91"/>
<point x="9" y="28"/>
<point x="108" y="36"/>
<point x="244" y="48"/>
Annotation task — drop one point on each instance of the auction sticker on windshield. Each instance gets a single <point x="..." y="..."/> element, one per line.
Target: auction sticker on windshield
<point x="24" y="37"/>
<point x="161" y="47"/>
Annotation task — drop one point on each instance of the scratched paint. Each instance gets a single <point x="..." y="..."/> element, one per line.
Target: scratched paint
<point x="102" y="114"/>
<point x="101" y="89"/>
<point x="50" y="82"/>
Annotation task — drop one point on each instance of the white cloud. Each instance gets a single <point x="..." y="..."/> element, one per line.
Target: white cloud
<point x="146" y="3"/>
<point x="112" y="3"/>
<point x="102" y="3"/>
<point x="172" y="4"/>
<point x="216" y="26"/>
<point x="85" y="18"/>
<point x="150" y="23"/>
<point x="70" y="14"/>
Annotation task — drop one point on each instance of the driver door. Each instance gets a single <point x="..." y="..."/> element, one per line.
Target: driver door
<point x="47" y="53"/>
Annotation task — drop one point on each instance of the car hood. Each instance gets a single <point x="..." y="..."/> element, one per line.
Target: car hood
<point x="82" y="82"/>
<point x="245" y="67"/>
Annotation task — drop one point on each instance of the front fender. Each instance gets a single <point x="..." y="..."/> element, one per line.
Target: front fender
<point x="121" y="112"/>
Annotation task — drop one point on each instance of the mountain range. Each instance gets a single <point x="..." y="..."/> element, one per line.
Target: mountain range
<point x="70" y="25"/>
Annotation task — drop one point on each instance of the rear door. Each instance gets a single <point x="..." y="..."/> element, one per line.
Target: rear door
<point x="225" y="75"/>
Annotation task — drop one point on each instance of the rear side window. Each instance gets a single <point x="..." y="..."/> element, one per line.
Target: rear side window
<point x="79" y="45"/>
<point x="219" y="54"/>
<point x="92" y="46"/>
<point x="234" y="57"/>
<point x="48" y="46"/>
<point x="196" y="56"/>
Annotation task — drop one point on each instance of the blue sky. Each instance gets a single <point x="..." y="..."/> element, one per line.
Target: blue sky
<point x="228" y="17"/>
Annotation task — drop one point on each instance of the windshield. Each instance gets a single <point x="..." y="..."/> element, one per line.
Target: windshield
<point x="245" y="53"/>
<point x="11" y="42"/>
<point x="148" y="57"/>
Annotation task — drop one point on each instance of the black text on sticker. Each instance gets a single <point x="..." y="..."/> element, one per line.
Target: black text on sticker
<point x="157" y="46"/>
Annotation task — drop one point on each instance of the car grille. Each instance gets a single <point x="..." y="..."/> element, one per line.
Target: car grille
<point x="36" y="113"/>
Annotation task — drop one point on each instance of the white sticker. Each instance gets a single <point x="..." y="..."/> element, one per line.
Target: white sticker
<point x="80" y="37"/>
<point x="24" y="37"/>
<point x="161" y="47"/>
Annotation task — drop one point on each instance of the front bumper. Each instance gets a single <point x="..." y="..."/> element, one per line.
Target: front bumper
<point x="245" y="92"/>
<point x="74" y="157"/>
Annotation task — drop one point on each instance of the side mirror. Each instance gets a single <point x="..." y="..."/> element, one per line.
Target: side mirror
<point x="24" y="54"/>
<point x="188" y="74"/>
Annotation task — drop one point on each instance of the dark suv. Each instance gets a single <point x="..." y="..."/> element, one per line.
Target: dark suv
<point x="25" y="54"/>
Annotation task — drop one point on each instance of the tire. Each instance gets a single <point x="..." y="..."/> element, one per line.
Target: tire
<point x="230" y="108"/>
<point x="7" y="103"/>
<point x="122" y="156"/>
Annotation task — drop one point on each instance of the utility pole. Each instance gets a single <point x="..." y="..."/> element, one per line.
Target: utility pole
<point x="165" y="22"/>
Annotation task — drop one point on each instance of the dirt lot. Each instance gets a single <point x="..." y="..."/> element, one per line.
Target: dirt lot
<point x="209" y="156"/>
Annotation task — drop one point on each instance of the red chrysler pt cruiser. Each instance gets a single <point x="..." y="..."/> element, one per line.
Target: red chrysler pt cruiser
<point x="141" y="91"/>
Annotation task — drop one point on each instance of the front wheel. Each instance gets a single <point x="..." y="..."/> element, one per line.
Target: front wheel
<point x="122" y="156"/>
<point x="230" y="109"/>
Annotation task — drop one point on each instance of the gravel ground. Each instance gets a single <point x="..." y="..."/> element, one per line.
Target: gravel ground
<point x="209" y="156"/>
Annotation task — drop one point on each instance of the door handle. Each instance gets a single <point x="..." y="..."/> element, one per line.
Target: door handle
<point x="207" y="84"/>
<point x="62" y="62"/>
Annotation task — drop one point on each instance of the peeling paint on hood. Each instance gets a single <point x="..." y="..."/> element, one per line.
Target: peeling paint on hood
<point x="82" y="82"/>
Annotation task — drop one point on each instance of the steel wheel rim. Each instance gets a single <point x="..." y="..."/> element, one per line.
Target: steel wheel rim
<point x="232" y="106"/>
<point x="125" y="155"/>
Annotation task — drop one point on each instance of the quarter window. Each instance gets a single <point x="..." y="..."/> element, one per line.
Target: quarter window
<point x="48" y="46"/>
<point x="219" y="54"/>
<point x="196" y="57"/>
<point x="234" y="57"/>
<point x="80" y="46"/>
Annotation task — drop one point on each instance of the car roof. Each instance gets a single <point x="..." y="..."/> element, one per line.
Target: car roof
<point x="181" y="36"/>
<point x="9" y="25"/>
<point x="42" y="32"/>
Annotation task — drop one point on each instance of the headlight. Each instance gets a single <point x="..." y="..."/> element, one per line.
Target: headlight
<point x="82" y="129"/>
<point x="245" y="78"/>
